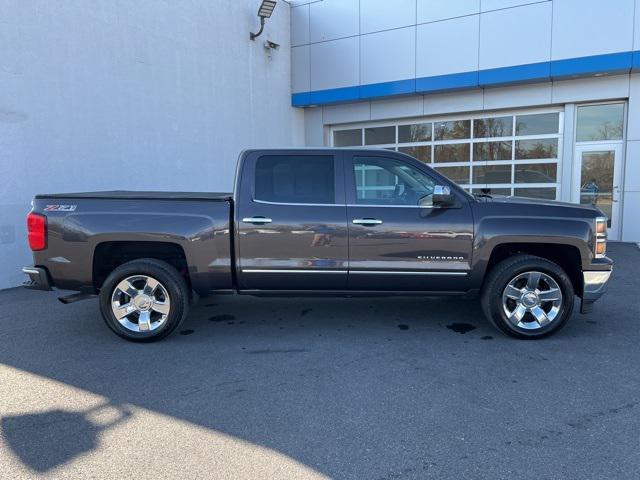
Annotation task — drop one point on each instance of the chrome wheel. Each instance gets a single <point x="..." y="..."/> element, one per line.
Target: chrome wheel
<point x="140" y="303"/>
<point x="532" y="300"/>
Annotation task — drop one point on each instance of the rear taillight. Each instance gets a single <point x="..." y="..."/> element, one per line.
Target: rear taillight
<point x="37" y="231"/>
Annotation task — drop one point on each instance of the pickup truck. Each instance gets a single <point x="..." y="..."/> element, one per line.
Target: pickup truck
<point x="319" y="222"/>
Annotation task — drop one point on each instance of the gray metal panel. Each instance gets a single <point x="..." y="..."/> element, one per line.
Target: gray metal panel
<point x="299" y="25"/>
<point x="332" y="19"/>
<point x="591" y="27"/>
<point x="346" y="113"/>
<point x="313" y="128"/>
<point x="397" y="107"/>
<point x="632" y="171"/>
<point x="515" y="36"/>
<point x="450" y="46"/>
<point x="636" y="28"/>
<point x="335" y="64"/>
<point x="300" y="69"/>
<point x="377" y="15"/>
<point x="387" y="56"/>
<point x="488" y="5"/>
<point x="442" y="103"/>
<point x="630" y="224"/>
<point x="517" y="96"/>
<point x="633" y="110"/>
<point x="590" y="89"/>
<point x="435" y="10"/>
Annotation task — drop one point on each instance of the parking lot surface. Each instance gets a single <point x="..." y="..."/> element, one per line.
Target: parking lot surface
<point x="382" y="388"/>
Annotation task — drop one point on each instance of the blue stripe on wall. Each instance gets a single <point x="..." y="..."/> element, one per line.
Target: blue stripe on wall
<point x="345" y="94"/>
<point x="454" y="81"/>
<point x="520" y="73"/>
<point x="609" y="63"/>
<point x="386" y="89"/>
<point x="613" y="63"/>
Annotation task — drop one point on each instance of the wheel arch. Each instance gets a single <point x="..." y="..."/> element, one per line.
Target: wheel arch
<point x="109" y="255"/>
<point x="566" y="256"/>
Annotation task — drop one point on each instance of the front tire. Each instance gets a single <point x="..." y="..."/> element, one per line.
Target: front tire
<point x="527" y="297"/>
<point x="144" y="300"/>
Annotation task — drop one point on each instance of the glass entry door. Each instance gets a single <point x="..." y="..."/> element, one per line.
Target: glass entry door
<point x="597" y="180"/>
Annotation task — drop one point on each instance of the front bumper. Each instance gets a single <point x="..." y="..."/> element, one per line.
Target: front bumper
<point x="595" y="284"/>
<point x="38" y="279"/>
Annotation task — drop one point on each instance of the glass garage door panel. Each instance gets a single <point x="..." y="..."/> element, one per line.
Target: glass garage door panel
<point x="500" y="154"/>
<point x="596" y="180"/>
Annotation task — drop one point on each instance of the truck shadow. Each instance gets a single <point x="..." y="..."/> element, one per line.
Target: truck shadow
<point x="46" y="440"/>
<point x="339" y="385"/>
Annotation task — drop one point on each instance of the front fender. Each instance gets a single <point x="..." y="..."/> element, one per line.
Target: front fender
<point x="494" y="231"/>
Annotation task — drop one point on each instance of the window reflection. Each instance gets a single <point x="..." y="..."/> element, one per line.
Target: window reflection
<point x="421" y="152"/>
<point x="600" y="122"/>
<point x="458" y="175"/>
<point x="493" y="127"/>
<point x="379" y="135"/>
<point x="536" y="173"/>
<point x="455" y="152"/>
<point x="454" y="130"/>
<point x="537" y="124"/>
<point x="492" y="191"/>
<point x="596" y="180"/>
<point x="544" y="193"/>
<point x="492" y="174"/>
<point x="538" y="148"/>
<point x="419" y="132"/>
<point x="492" y="151"/>
<point x="347" y="138"/>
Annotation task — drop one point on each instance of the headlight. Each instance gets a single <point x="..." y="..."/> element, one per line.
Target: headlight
<point x="601" y="237"/>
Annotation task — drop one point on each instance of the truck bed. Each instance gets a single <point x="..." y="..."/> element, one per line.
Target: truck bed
<point x="84" y="226"/>
<point x="140" y="195"/>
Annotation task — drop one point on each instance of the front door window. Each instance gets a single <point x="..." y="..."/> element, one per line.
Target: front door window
<point x="384" y="181"/>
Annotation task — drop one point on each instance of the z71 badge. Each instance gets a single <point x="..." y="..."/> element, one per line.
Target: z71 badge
<point x="60" y="208"/>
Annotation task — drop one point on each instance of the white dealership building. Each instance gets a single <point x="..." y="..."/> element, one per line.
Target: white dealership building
<point x="517" y="97"/>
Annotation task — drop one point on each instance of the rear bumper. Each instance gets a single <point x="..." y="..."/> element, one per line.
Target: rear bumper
<point x="38" y="279"/>
<point x="595" y="284"/>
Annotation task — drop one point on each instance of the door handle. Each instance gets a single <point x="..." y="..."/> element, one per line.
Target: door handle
<point x="367" y="221"/>
<point x="615" y="194"/>
<point x="256" y="220"/>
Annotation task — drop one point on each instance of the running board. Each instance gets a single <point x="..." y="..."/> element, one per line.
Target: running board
<point x="76" y="297"/>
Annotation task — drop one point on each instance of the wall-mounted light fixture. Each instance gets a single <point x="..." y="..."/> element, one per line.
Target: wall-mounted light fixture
<point x="265" y="11"/>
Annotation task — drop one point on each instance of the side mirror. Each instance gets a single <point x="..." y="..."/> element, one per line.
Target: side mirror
<point x="442" y="196"/>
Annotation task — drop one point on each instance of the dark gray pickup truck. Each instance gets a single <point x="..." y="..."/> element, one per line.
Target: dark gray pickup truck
<point x="319" y="222"/>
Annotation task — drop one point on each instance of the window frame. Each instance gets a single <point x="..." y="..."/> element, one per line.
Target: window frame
<point x="351" y="194"/>
<point x="338" y="183"/>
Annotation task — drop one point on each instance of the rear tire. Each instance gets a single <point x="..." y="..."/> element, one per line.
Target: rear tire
<point x="144" y="300"/>
<point x="527" y="297"/>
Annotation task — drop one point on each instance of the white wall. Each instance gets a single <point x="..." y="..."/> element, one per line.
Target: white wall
<point x="135" y="94"/>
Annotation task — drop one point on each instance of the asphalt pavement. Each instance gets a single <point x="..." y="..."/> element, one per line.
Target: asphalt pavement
<point x="382" y="388"/>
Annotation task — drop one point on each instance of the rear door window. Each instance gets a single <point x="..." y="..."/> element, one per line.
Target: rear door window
<point x="295" y="179"/>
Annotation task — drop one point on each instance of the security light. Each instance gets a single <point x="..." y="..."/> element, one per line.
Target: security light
<point x="265" y="11"/>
